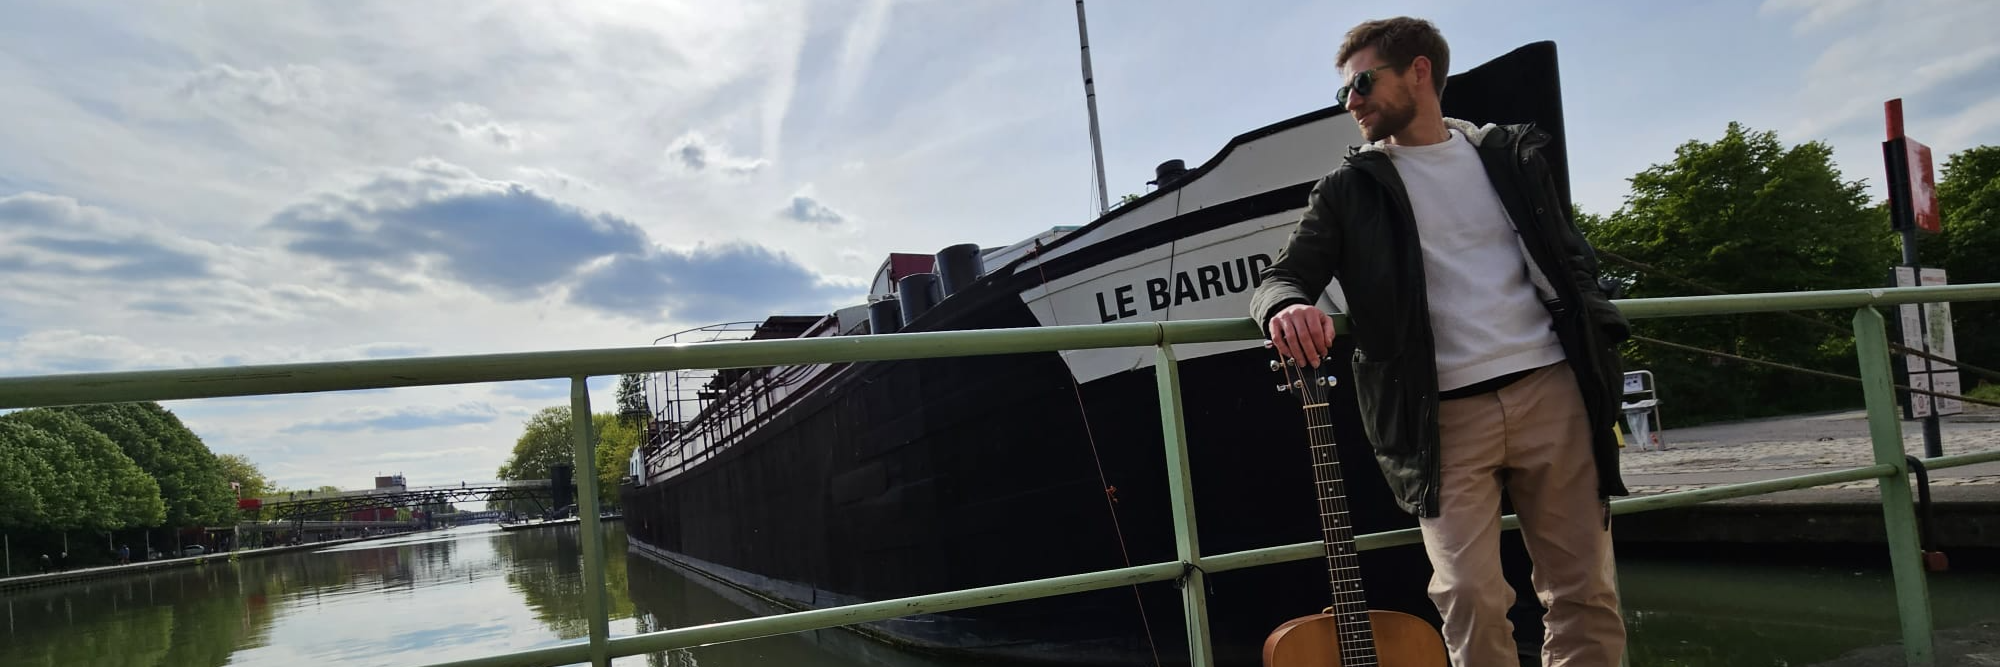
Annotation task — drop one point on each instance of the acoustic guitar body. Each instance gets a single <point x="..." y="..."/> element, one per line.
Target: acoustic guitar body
<point x="1401" y="640"/>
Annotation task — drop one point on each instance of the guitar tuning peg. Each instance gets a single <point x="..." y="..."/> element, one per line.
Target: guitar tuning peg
<point x="1275" y="365"/>
<point x="1284" y="388"/>
<point x="1321" y="381"/>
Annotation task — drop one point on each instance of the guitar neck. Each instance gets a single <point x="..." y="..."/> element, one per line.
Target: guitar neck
<point x="1343" y="563"/>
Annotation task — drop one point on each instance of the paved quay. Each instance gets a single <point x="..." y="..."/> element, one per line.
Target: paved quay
<point x="1729" y="453"/>
<point x="1966" y="499"/>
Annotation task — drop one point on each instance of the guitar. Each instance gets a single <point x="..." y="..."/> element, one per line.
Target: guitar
<point x="1348" y="633"/>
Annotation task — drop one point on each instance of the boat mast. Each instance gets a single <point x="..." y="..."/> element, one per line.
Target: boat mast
<point x="1090" y="101"/>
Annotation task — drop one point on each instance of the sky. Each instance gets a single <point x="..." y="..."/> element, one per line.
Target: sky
<point x="220" y="183"/>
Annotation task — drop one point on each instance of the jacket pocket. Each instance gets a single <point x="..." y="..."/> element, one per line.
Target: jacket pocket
<point x="1382" y="399"/>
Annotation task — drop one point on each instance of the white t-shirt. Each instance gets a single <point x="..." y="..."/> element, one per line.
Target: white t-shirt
<point x="1485" y="315"/>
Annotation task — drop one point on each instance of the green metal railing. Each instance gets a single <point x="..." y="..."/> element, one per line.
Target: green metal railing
<point x="1891" y="469"/>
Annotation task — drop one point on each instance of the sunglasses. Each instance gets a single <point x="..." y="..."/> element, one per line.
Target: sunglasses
<point x="1364" y="83"/>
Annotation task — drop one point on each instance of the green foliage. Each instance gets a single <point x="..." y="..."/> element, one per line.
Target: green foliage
<point x="616" y="438"/>
<point x="23" y="476"/>
<point x="82" y="481"/>
<point x="190" y="479"/>
<point x="1745" y="214"/>
<point x="1986" y="391"/>
<point x="239" y="468"/>
<point x="544" y="442"/>
<point x="1969" y="248"/>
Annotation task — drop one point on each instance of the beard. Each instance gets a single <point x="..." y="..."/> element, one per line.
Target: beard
<point x="1389" y="120"/>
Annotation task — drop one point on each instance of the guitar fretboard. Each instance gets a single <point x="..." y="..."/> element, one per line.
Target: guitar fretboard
<point x="1343" y="564"/>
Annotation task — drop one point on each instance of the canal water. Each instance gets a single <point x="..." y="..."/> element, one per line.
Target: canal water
<point x="477" y="591"/>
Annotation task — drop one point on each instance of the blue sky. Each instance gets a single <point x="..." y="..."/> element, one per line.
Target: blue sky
<point x="189" y="184"/>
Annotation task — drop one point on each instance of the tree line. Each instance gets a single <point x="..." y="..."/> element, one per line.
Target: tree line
<point x="1747" y="213"/>
<point x="110" y="467"/>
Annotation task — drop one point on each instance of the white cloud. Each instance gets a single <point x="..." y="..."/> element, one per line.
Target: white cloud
<point x="1918" y="50"/>
<point x="1967" y="126"/>
<point x="857" y="48"/>
<point x="694" y="153"/>
<point x="1816" y="13"/>
<point x="223" y="87"/>
<point x="73" y="351"/>
<point x="476" y="123"/>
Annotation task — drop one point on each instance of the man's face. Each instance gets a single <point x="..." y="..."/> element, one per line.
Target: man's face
<point x="1390" y="103"/>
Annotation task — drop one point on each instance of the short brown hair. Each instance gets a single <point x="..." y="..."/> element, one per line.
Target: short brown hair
<point x="1399" y="41"/>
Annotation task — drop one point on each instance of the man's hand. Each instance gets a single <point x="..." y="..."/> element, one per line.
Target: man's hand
<point x="1302" y="332"/>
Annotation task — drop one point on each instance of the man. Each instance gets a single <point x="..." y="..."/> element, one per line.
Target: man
<point x="1485" y="350"/>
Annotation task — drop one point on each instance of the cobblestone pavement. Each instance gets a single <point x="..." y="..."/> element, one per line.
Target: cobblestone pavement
<point x="1800" y="445"/>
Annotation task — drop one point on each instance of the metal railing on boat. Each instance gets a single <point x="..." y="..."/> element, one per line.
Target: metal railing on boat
<point x="1891" y="469"/>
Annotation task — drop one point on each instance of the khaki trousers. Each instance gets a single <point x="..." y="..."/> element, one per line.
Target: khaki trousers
<point x="1533" y="438"/>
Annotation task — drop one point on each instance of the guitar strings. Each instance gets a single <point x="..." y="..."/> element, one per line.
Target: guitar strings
<point x="1354" y="634"/>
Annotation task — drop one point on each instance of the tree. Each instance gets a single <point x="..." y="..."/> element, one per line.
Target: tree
<point x="616" y="439"/>
<point x="84" y="480"/>
<point x="632" y="408"/>
<point x="239" y="469"/>
<point x="190" y="479"/>
<point x="22" y="474"/>
<point x="1744" y="214"/>
<point x="544" y="442"/>
<point x="1969" y="247"/>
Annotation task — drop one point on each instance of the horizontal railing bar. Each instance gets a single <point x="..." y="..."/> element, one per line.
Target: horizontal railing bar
<point x="1728" y="304"/>
<point x="1957" y="460"/>
<point x="817" y="619"/>
<point x="217" y="382"/>
<point x="1745" y="489"/>
<point x="1394" y="538"/>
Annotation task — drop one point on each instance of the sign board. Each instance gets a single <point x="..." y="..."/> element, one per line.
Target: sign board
<point x="1923" y="187"/>
<point x="1912" y="186"/>
<point x="1927" y="328"/>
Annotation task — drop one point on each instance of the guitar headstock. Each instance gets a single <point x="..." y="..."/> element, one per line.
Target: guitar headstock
<point x="1309" y="384"/>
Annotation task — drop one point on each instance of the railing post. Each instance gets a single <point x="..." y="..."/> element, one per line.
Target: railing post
<point x="594" y="610"/>
<point x="1913" y="602"/>
<point x="1180" y="491"/>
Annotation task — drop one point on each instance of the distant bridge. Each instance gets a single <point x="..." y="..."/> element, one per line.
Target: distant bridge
<point x="468" y="518"/>
<point x="299" y="505"/>
<point x="280" y="526"/>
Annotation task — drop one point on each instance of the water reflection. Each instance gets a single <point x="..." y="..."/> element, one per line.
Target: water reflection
<point x="666" y="596"/>
<point x="1705" y="614"/>
<point x="546" y="567"/>
<point x="477" y="591"/>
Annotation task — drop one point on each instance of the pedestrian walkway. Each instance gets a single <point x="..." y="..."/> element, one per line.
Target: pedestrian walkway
<point x="1756" y="450"/>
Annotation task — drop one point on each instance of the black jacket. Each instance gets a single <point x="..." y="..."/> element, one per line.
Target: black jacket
<point x="1358" y="229"/>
